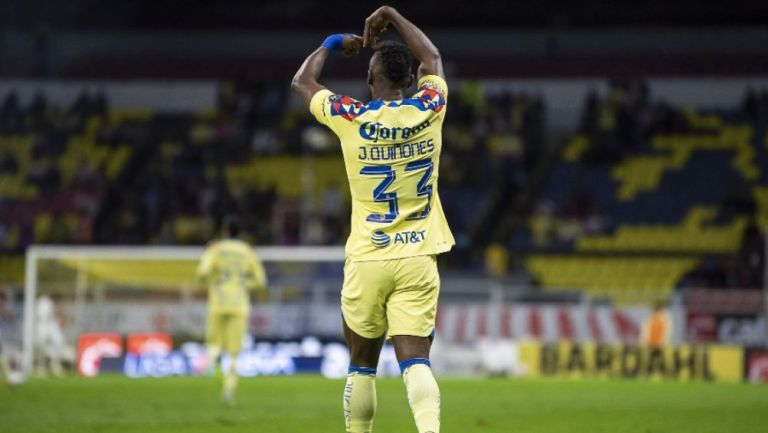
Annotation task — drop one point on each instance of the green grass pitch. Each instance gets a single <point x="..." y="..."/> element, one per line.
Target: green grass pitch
<point x="312" y="404"/>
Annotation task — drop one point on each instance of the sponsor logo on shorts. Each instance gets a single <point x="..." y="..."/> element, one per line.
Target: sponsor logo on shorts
<point x="380" y="239"/>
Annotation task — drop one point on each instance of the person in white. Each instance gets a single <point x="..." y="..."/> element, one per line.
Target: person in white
<point x="50" y="346"/>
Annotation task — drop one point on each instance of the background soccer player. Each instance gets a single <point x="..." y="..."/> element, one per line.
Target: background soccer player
<point x="391" y="148"/>
<point x="50" y="344"/>
<point x="229" y="269"/>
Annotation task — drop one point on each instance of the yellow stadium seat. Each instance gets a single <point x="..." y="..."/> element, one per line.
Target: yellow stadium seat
<point x="578" y="145"/>
<point x="760" y="194"/>
<point x="12" y="269"/>
<point x="270" y="172"/>
<point x="693" y="234"/>
<point x="189" y="229"/>
<point x="43" y="223"/>
<point x="643" y="172"/>
<point x="621" y="279"/>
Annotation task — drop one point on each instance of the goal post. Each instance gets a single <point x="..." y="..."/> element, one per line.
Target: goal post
<point x="75" y="270"/>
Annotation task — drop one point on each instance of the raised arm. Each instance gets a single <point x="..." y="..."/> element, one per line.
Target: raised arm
<point x="305" y="83"/>
<point x="421" y="47"/>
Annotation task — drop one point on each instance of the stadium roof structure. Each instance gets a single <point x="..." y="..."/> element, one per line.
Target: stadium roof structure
<point x="344" y="15"/>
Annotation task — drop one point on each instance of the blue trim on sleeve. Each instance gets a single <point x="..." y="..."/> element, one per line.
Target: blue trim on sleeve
<point x="413" y="361"/>
<point x="361" y="370"/>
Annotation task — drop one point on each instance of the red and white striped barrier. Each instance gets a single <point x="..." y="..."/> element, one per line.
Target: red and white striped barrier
<point x="467" y="324"/>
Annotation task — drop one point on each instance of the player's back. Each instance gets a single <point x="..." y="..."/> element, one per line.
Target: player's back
<point x="392" y="155"/>
<point x="228" y="266"/>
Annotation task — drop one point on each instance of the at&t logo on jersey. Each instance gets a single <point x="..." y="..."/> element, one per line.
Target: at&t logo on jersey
<point x="410" y="237"/>
<point x="382" y="240"/>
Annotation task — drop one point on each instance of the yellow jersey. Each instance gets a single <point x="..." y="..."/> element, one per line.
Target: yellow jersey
<point x="230" y="269"/>
<point x="392" y="156"/>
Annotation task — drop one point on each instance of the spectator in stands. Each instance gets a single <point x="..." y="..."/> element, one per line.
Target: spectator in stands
<point x="496" y="261"/>
<point x="83" y="233"/>
<point x="60" y="232"/>
<point x="542" y="224"/>
<point x="495" y="142"/>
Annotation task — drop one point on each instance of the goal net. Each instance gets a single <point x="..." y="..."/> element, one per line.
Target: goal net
<point x="130" y="289"/>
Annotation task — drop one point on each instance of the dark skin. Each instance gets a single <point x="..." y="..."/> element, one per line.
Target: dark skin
<point x="305" y="83"/>
<point x="364" y="352"/>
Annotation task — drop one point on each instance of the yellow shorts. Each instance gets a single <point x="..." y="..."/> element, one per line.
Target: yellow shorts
<point x="226" y="331"/>
<point x="395" y="296"/>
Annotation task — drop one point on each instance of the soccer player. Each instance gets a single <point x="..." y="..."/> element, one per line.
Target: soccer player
<point x="50" y="345"/>
<point x="391" y="147"/>
<point x="229" y="269"/>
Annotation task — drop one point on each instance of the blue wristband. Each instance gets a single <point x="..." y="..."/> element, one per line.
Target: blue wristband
<point x="334" y="42"/>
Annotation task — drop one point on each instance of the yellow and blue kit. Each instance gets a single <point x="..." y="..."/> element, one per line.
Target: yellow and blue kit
<point x="391" y="152"/>
<point x="230" y="270"/>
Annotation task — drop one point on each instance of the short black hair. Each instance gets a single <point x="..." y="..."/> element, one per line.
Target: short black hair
<point x="231" y="226"/>
<point x="396" y="61"/>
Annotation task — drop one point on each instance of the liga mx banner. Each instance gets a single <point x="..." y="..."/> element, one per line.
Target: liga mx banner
<point x="709" y="363"/>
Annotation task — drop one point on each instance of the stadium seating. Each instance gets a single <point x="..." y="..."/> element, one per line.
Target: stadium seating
<point x="691" y="235"/>
<point x="253" y="155"/>
<point x="12" y="269"/>
<point x="576" y="148"/>
<point x="623" y="279"/>
<point x="658" y="197"/>
<point x="643" y="172"/>
<point x="269" y="172"/>
<point x="668" y="198"/>
<point x="760" y="194"/>
<point x="14" y="185"/>
<point x="55" y="167"/>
